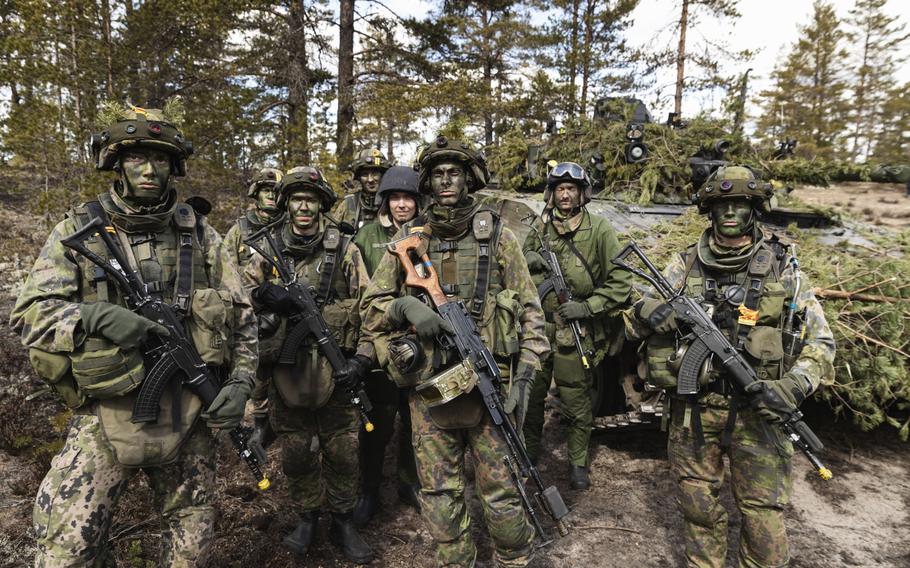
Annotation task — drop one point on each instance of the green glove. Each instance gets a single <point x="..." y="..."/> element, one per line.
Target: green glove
<point x="226" y="411"/>
<point x="536" y="263"/>
<point x="427" y="323"/>
<point x="573" y="311"/>
<point x="118" y="324"/>
<point x="775" y="401"/>
<point x="519" y="393"/>
<point x="658" y="314"/>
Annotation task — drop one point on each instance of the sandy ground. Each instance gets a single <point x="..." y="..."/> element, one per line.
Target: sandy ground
<point x="880" y="203"/>
<point x="627" y="519"/>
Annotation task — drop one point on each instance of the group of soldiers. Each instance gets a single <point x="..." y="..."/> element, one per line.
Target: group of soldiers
<point x="87" y="345"/>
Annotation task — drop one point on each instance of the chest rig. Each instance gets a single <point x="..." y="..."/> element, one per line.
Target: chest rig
<point x="321" y="273"/>
<point x="169" y="262"/>
<point x="355" y="213"/>
<point x="466" y="267"/>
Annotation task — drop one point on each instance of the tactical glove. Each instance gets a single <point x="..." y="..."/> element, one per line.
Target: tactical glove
<point x="571" y="311"/>
<point x="427" y="323"/>
<point x="775" y="401"/>
<point x="519" y="392"/>
<point x="536" y="263"/>
<point x="274" y="297"/>
<point x="226" y="411"/>
<point x="658" y="314"/>
<point x="118" y="324"/>
<point x="261" y="438"/>
<point x="354" y="372"/>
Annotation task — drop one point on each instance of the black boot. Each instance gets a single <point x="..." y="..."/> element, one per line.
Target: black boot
<point x="366" y="507"/>
<point x="578" y="477"/>
<point x="344" y="535"/>
<point x="300" y="539"/>
<point x="408" y="494"/>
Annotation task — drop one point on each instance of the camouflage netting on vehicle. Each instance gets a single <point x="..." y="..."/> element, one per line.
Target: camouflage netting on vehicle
<point x="867" y="304"/>
<point x="664" y="175"/>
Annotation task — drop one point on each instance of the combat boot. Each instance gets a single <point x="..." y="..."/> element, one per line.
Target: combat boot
<point x="366" y="507"/>
<point x="300" y="539"/>
<point x="578" y="477"/>
<point x="344" y="535"/>
<point x="408" y="494"/>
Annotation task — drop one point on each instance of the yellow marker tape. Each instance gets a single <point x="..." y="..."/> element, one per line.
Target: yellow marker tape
<point x="747" y="316"/>
<point x="825" y="473"/>
<point x="584" y="361"/>
<point x="369" y="427"/>
<point x="264" y="483"/>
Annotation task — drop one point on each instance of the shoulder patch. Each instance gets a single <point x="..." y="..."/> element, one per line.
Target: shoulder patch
<point x="184" y="217"/>
<point x="483" y="222"/>
<point x="331" y="238"/>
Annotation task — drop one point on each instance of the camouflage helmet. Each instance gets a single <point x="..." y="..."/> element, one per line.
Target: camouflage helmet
<point x="370" y="158"/>
<point x="262" y="178"/>
<point x="734" y="181"/>
<point x="560" y="172"/>
<point x="441" y="150"/>
<point x="301" y="178"/>
<point x="129" y="126"/>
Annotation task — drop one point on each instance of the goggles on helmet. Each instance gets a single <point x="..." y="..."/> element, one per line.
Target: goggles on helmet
<point x="569" y="170"/>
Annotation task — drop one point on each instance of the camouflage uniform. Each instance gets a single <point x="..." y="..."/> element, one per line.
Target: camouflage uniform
<point x="319" y="451"/>
<point x="721" y="421"/>
<point x="361" y="207"/>
<point x="388" y="400"/>
<point x="595" y="239"/>
<point x="440" y="449"/>
<point x="103" y="449"/>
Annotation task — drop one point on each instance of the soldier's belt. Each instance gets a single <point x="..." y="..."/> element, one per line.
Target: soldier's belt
<point x="448" y="384"/>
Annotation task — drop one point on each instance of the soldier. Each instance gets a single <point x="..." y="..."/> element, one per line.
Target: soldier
<point x="361" y="207"/>
<point x="399" y="198"/>
<point x="584" y="245"/>
<point x="308" y="405"/>
<point x="87" y="345"/>
<point x="262" y="189"/>
<point x="480" y="262"/>
<point x="746" y="279"/>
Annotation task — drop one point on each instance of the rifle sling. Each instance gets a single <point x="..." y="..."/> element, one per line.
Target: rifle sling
<point x="486" y="242"/>
<point x="584" y="262"/>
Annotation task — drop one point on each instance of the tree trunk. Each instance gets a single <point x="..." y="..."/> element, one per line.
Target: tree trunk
<point x="108" y="45"/>
<point x="298" y="150"/>
<point x="344" y="141"/>
<point x="390" y="141"/>
<point x="586" y="55"/>
<point x="75" y="79"/>
<point x="572" y="58"/>
<point x="487" y="82"/>
<point x="859" y="109"/>
<point x="681" y="58"/>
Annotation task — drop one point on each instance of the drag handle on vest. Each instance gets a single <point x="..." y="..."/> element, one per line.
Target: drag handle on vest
<point x="466" y="340"/>
<point x="310" y="324"/>
<point x="709" y="341"/>
<point x="175" y="356"/>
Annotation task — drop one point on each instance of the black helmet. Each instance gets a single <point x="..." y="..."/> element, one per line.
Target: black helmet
<point x="571" y="172"/>
<point x="305" y="177"/>
<point x="443" y="149"/>
<point x="399" y="178"/>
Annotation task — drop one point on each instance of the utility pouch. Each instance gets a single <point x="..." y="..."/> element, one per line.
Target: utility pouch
<point x="209" y="325"/>
<point x="343" y="321"/>
<point x="659" y="348"/>
<point x="765" y="345"/>
<point x="102" y="369"/>
<point x="143" y="444"/>
<point x="309" y="383"/>
<point x="55" y="370"/>
<point x="771" y="303"/>
<point x="506" y="321"/>
<point x="465" y="411"/>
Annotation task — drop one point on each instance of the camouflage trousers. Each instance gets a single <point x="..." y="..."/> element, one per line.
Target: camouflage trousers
<point x="318" y="452"/>
<point x="574" y="386"/>
<point x="440" y="467"/>
<point x="77" y="498"/>
<point x="388" y="400"/>
<point x="259" y="397"/>
<point x="760" y="469"/>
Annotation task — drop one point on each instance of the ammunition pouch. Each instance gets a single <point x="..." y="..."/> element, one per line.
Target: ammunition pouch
<point x="102" y="369"/>
<point x="464" y="411"/>
<point x="210" y="324"/>
<point x="658" y="351"/>
<point x="55" y="370"/>
<point x="343" y="321"/>
<point x="764" y="346"/>
<point x="448" y="385"/>
<point x="506" y="323"/>
<point x="308" y="384"/>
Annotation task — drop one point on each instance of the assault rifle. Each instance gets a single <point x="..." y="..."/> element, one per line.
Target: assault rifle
<point x="467" y="344"/>
<point x="309" y="322"/>
<point x="707" y="341"/>
<point x="167" y="358"/>
<point x="556" y="283"/>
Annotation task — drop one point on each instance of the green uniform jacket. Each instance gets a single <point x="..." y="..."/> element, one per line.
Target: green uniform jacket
<point x="596" y="240"/>
<point x="372" y="240"/>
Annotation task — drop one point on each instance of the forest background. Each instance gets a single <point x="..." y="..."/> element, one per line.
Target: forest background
<point x="312" y="82"/>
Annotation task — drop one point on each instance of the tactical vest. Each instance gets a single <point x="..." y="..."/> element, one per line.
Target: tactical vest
<point x="309" y="384"/>
<point x="355" y="213"/>
<point x="244" y="252"/>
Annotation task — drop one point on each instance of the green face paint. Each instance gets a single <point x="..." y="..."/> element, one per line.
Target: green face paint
<point x="145" y="173"/>
<point x="369" y="179"/>
<point x="303" y="210"/>
<point x="449" y="183"/>
<point x="265" y="199"/>
<point x="731" y="218"/>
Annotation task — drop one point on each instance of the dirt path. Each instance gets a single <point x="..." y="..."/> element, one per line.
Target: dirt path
<point x="879" y="203"/>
